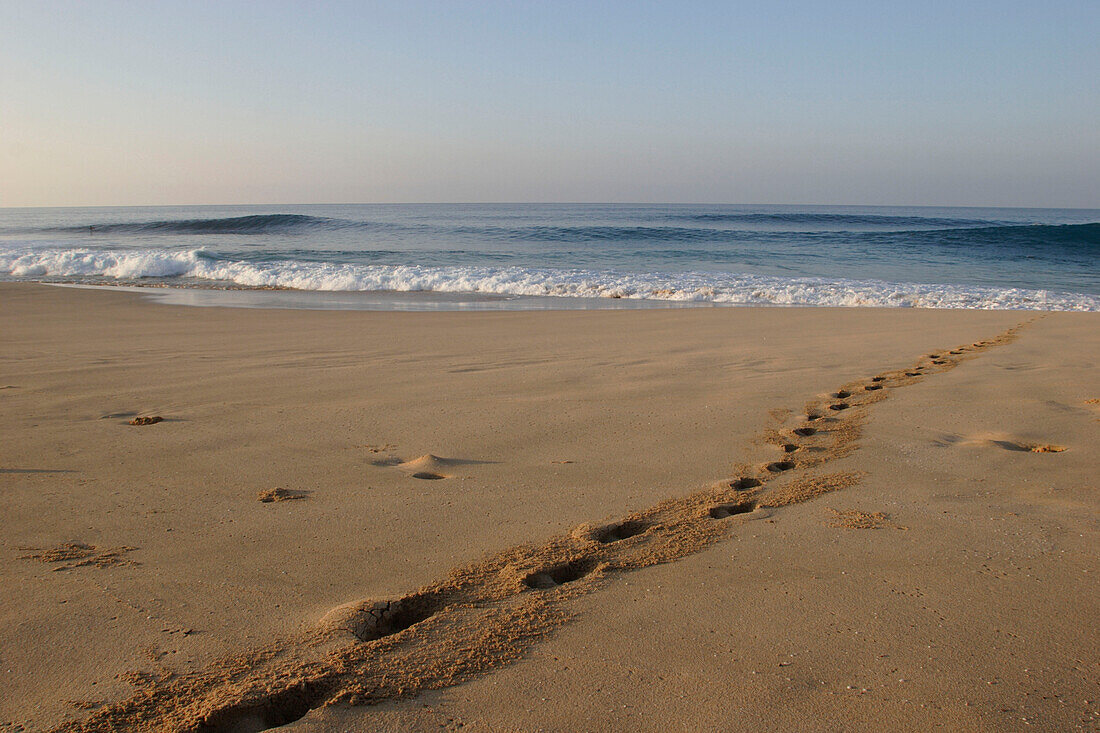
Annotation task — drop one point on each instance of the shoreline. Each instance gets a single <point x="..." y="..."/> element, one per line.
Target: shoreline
<point x="211" y="294"/>
<point x="534" y="424"/>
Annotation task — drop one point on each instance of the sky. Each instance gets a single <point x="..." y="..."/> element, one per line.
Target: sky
<point x="877" y="103"/>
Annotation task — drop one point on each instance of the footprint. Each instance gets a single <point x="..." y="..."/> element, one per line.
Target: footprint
<point x="272" y="710"/>
<point x="842" y="394"/>
<point x="730" y="510"/>
<point x="428" y="475"/>
<point x="620" y="531"/>
<point x="149" y="420"/>
<point x="872" y="387"/>
<point x="839" y="406"/>
<point x="878" y="379"/>
<point x="813" y="416"/>
<point x="744" y="483"/>
<point x="561" y="574"/>
<point x="790" y="447"/>
<point x="779" y="466"/>
<point x="369" y="620"/>
<point x="912" y="374"/>
<point x="805" y="432"/>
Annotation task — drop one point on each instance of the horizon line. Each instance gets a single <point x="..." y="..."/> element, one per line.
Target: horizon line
<point x="544" y="203"/>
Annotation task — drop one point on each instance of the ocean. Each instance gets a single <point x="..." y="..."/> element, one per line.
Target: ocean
<point x="515" y="256"/>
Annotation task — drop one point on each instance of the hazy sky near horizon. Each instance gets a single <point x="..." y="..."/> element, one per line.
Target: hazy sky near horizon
<point x="936" y="103"/>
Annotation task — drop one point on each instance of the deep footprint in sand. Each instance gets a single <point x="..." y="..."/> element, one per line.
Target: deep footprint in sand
<point x="369" y="620"/>
<point x="619" y="531"/>
<point x="731" y="510"/>
<point x="561" y="574"/>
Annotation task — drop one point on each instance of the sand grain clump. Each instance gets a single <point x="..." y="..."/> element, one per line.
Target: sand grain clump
<point x="268" y="496"/>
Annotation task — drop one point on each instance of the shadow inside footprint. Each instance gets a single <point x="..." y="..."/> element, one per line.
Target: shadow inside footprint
<point x="559" y="574"/>
<point x="779" y="466"/>
<point x="1027" y="447"/>
<point x="744" y="483"/>
<point x="729" y="510"/>
<point x="273" y="710"/>
<point x="805" y="432"/>
<point x="839" y="406"/>
<point x="620" y="531"/>
<point x="428" y="475"/>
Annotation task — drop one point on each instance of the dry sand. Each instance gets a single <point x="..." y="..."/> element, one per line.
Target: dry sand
<point x="560" y="521"/>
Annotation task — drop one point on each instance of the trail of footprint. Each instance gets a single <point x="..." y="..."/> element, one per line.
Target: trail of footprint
<point x="485" y="614"/>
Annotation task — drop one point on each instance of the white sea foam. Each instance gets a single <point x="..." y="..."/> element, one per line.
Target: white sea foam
<point x="36" y="262"/>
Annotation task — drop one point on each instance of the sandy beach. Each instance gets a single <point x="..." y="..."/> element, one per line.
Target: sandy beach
<point x="692" y="519"/>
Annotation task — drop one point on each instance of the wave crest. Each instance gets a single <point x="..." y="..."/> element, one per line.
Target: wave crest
<point x="254" y="224"/>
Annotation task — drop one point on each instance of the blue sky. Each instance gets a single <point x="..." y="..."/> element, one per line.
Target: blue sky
<point x="938" y="103"/>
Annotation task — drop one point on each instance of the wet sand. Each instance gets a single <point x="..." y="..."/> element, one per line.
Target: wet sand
<point x="559" y="521"/>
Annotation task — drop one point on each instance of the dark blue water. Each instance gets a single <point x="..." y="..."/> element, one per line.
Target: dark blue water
<point x="876" y="256"/>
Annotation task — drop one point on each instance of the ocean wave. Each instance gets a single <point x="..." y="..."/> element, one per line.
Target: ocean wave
<point x="922" y="231"/>
<point x="807" y="217"/>
<point x="1086" y="236"/>
<point x="254" y="224"/>
<point x="722" y="288"/>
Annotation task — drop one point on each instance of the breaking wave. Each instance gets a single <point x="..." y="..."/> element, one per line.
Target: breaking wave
<point x="128" y="266"/>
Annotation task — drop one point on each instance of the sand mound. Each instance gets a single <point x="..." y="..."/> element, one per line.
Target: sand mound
<point x="428" y="467"/>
